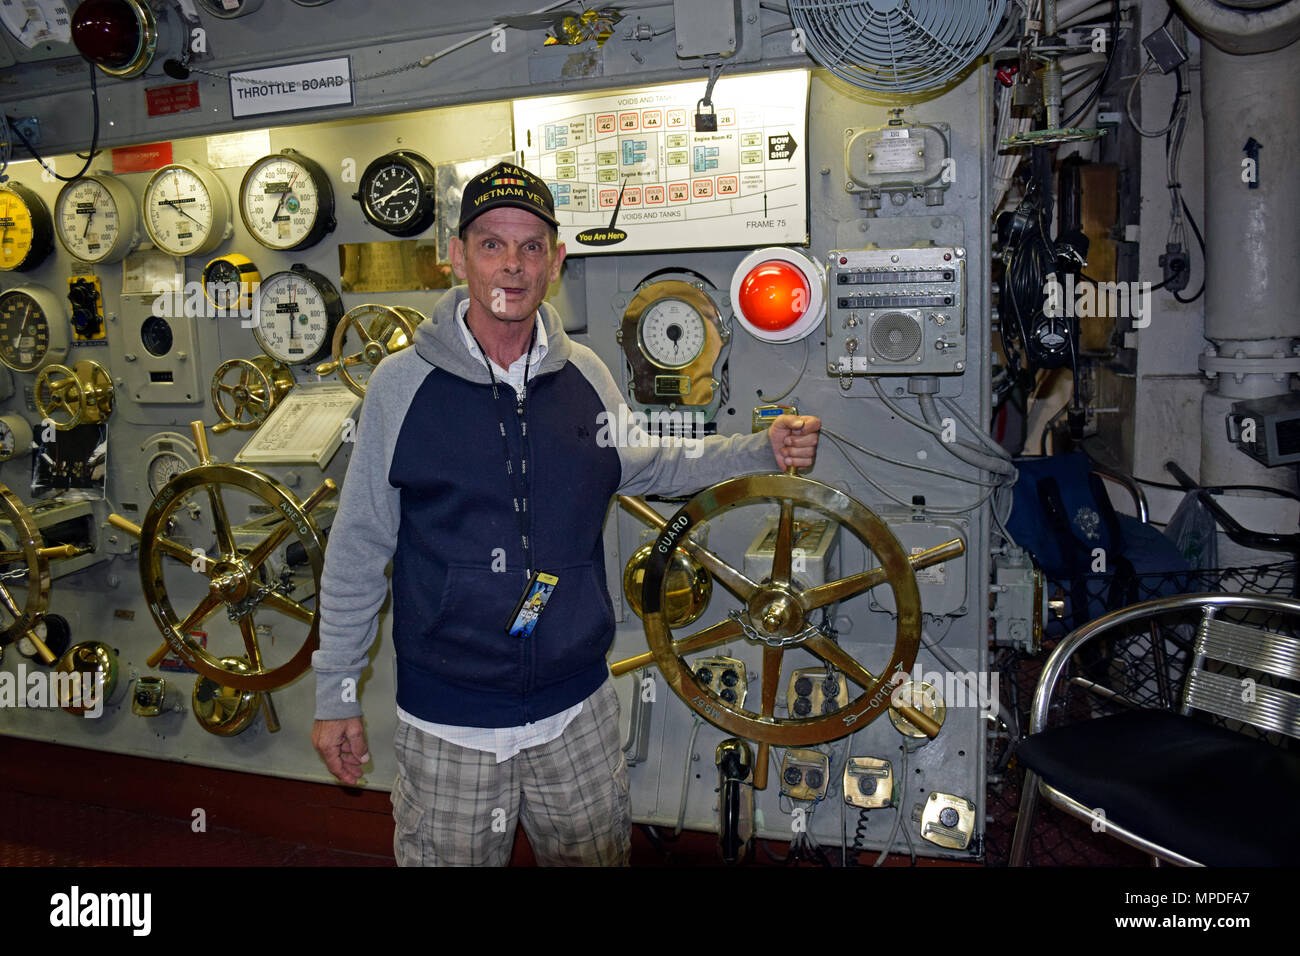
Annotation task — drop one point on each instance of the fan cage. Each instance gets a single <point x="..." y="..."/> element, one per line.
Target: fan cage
<point x="898" y="46"/>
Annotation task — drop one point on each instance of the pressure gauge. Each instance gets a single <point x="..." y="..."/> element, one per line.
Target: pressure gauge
<point x="230" y="9"/>
<point x="96" y="218"/>
<point x="36" y="21"/>
<point x="165" y="455"/>
<point x="396" y="193"/>
<point x="15" y="436"/>
<point x="33" y="328"/>
<point x="672" y="334"/>
<point x="286" y="201"/>
<point x="156" y="335"/>
<point x="186" y="209"/>
<point x="53" y="631"/>
<point x="230" y="282"/>
<point x="26" y="228"/>
<point x="297" y="313"/>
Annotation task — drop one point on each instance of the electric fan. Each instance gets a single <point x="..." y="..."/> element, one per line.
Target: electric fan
<point x="896" y="46"/>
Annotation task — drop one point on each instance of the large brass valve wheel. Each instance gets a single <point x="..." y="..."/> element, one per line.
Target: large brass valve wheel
<point x="31" y="552"/>
<point x="238" y="578"/>
<point x="777" y="613"/>
<point x="382" y="330"/>
<point x="81" y="395"/>
<point x="253" y="387"/>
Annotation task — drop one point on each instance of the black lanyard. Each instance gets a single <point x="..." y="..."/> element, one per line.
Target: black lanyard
<point x="520" y="497"/>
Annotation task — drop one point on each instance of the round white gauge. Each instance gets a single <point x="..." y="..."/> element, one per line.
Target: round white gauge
<point x="15" y="436"/>
<point x="297" y="313"/>
<point x="186" y="209"/>
<point x="672" y="333"/>
<point x="35" y="21"/>
<point x="163" y="468"/>
<point x="286" y="201"/>
<point x="96" y="219"/>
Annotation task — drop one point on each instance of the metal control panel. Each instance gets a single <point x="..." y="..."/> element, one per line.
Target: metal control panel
<point x="897" y="311"/>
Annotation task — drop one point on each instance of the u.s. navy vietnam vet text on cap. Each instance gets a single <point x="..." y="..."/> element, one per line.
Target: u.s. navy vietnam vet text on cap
<point x="506" y="184"/>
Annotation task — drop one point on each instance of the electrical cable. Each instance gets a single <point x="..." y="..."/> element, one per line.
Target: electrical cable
<point x="686" y="777"/>
<point x="1105" y="73"/>
<point x="807" y="352"/>
<point x="94" y="135"/>
<point x="897" y="500"/>
<point x="912" y="465"/>
<point x="899" y="792"/>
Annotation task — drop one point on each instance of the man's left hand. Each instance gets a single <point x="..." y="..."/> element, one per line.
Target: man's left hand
<point x="794" y="440"/>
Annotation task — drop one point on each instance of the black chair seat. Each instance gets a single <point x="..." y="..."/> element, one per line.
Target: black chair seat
<point x="1214" y="795"/>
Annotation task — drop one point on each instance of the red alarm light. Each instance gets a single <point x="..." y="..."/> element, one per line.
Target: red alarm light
<point x="118" y="36"/>
<point x="774" y="295"/>
<point x="777" y="294"/>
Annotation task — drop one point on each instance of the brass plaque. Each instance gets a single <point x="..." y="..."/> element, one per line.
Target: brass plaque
<point x="398" y="265"/>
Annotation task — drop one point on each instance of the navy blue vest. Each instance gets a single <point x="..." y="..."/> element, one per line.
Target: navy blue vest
<point x="457" y="663"/>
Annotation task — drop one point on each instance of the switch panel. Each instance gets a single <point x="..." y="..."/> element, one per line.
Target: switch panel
<point x="897" y="311"/>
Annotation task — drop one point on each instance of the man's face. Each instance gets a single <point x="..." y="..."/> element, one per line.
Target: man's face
<point x="507" y="259"/>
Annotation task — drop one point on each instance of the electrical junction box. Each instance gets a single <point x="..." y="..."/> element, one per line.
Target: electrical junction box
<point x="942" y="586"/>
<point x="706" y="29"/>
<point x="1019" y="601"/>
<point x="1268" y="429"/>
<point x="814" y="541"/>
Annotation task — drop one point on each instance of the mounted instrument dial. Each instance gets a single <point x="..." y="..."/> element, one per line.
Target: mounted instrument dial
<point x="96" y="218"/>
<point x="298" y="311"/>
<point x="33" y="328"/>
<point x="286" y="201"/>
<point x="26" y="228"/>
<point x="186" y="209"/>
<point x="396" y="193"/>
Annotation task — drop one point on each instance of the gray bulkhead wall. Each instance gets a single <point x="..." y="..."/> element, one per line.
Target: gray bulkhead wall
<point x="425" y="109"/>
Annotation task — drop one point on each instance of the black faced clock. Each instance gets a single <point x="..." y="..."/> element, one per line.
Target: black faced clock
<point x="396" y="193"/>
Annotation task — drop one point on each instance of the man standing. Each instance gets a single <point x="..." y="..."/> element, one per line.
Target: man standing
<point x="477" y="468"/>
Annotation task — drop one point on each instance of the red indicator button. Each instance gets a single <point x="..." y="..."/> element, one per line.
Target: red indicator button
<point x="774" y="295"/>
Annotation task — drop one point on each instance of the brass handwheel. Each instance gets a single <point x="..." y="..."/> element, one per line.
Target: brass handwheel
<point x="30" y="551"/>
<point x="234" y="575"/>
<point x="382" y="329"/>
<point x="69" y="397"/>
<point x="252" y="387"/>
<point x="777" y="613"/>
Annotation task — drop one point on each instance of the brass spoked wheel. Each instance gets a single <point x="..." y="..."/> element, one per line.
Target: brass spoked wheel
<point x="244" y="391"/>
<point x="244" y="578"/>
<point x="73" y="396"/>
<point x="778" y="614"/>
<point x="382" y="330"/>
<point x="29" y="559"/>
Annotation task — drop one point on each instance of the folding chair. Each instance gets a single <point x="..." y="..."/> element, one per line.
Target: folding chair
<point x="1183" y="785"/>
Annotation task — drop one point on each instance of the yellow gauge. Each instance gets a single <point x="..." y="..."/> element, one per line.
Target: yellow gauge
<point x="186" y="209"/>
<point x="96" y="218"/>
<point x="231" y="281"/>
<point x="33" y="328"/>
<point x="26" y="228"/>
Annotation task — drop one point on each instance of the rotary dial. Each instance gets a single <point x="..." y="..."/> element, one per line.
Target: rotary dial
<point x="286" y="201"/>
<point x="397" y="193"/>
<point x="298" y="312"/>
<point x="96" y="218"/>
<point x="672" y="333"/>
<point x="33" y="328"/>
<point x="26" y="228"/>
<point x="186" y="209"/>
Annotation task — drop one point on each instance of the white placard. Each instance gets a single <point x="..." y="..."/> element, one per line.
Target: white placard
<point x="630" y="173"/>
<point x="298" y="86"/>
<point x="306" y="428"/>
<point x="237" y="150"/>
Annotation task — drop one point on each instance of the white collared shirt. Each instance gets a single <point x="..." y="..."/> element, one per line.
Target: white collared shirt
<point x="505" y="742"/>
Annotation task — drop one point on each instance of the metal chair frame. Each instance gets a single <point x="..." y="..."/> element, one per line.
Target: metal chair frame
<point x="1276" y="710"/>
